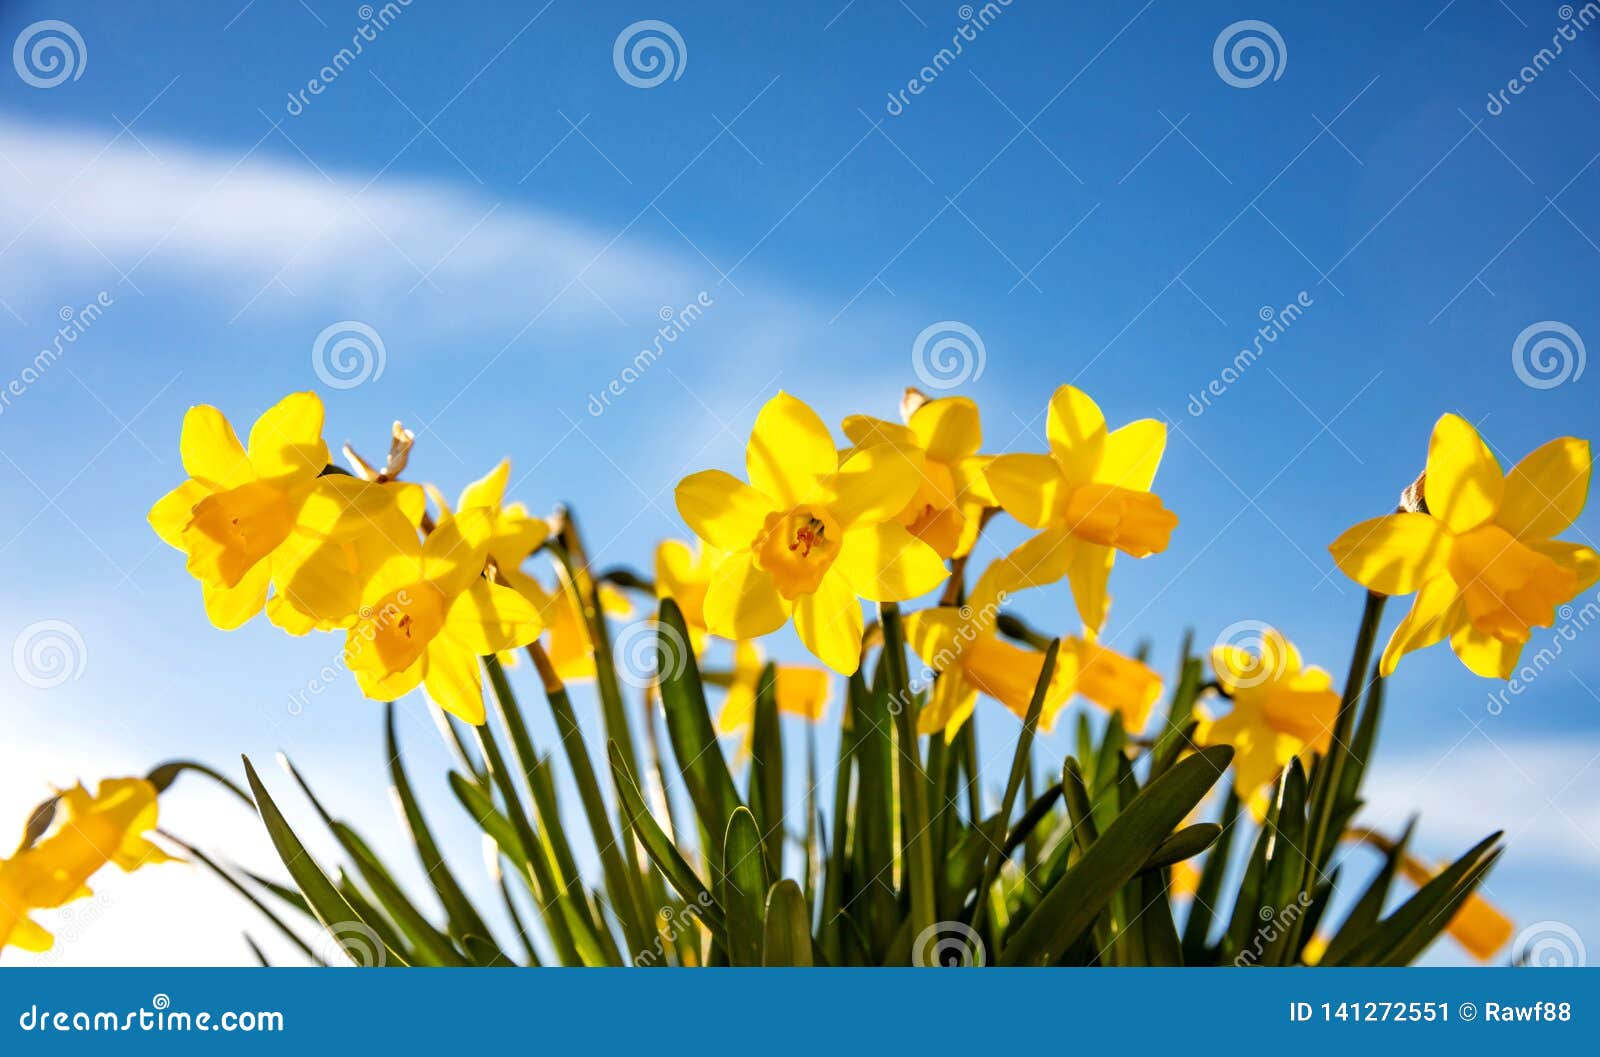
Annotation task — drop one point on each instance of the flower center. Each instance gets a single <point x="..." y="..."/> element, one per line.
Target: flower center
<point x="1507" y="586"/>
<point x="797" y="548"/>
<point x="1133" y="522"/>
<point x="230" y="531"/>
<point x="398" y="628"/>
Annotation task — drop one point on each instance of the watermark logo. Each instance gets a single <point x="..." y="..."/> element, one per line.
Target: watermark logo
<point x="1274" y="323"/>
<point x="347" y="354"/>
<point x="48" y="53"/>
<point x="374" y="20"/>
<point x="75" y="322"/>
<point x="1573" y="22"/>
<point x="1249" y="53"/>
<point x="948" y="945"/>
<point x="649" y="53"/>
<point x="674" y="324"/>
<point x="973" y="21"/>
<point x="648" y="651"/>
<point x="352" y="944"/>
<point x="1549" y="945"/>
<point x="1547" y="354"/>
<point x="947" y="354"/>
<point x="1266" y="662"/>
<point x="49" y="653"/>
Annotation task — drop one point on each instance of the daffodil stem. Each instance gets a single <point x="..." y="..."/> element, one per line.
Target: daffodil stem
<point x="1330" y="768"/>
<point x="917" y="847"/>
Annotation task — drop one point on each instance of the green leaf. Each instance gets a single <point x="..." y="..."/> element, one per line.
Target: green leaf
<point x="1184" y="844"/>
<point x="787" y="936"/>
<point x="766" y="768"/>
<point x="662" y="851"/>
<point x="1287" y="866"/>
<point x="330" y="907"/>
<point x="689" y="728"/>
<point x="1369" y="907"/>
<point x="1197" y="927"/>
<point x="744" y="888"/>
<point x="916" y="845"/>
<point x="164" y="775"/>
<point x="1071" y="905"/>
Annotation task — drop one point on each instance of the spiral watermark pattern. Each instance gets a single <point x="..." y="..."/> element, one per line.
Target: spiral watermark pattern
<point x="347" y="354"/>
<point x="947" y="354"/>
<point x="1248" y="53"/>
<point x="1547" y="354"/>
<point x="352" y="944"/>
<point x="48" y="653"/>
<point x="948" y="945"/>
<point x="48" y="53"/>
<point x="648" y="53"/>
<point x="1252" y="637"/>
<point x="1549" y="945"/>
<point x="648" y="651"/>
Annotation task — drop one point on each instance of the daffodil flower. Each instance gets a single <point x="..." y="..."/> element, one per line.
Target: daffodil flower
<point x="961" y="645"/>
<point x="1090" y="497"/>
<point x="428" y="614"/>
<point x="568" y="644"/>
<point x="808" y="537"/>
<point x="683" y="574"/>
<point x="91" y="831"/>
<point x="246" y="518"/>
<point x="1481" y="558"/>
<point x="1281" y="709"/>
<point x="947" y="508"/>
<point x="802" y="690"/>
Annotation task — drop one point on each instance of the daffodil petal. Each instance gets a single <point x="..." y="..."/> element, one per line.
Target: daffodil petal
<point x="1433" y="616"/>
<point x="803" y="691"/>
<point x="286" y="440"/>
<point x="742" y="602"/>
<point x="1090" y="574"/>
<point x="948" y="428"/>
<point x="949" y="704"/>
<point x="1031" y="488"/>
<point x="789" y="451"/>
<point x="1077" y="431"/>
<point x="883" y="562"/>
<point x="1464" y="483"/>
<point x="232" y="607"/>
<point x="454" y="681"/>
<point x="721" y="509"/>
<point x="172" y="511"/>
<point x="865" y="430"/>
<point x="1393" y="554"/>
<point x="1132" y="453"/>
<point x="874" y="483"/>
<point x="1546" y="491"/>
<point x="210" y="449"/>
<point x="934" y="635"/>
<point x="1484" y="654"/>
<point x="1582" y="561"/>
<point x="487" y="618"/>
<point x="829" y="622"/>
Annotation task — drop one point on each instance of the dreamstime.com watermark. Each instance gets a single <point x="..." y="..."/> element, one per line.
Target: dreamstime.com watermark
<point x="347" y="354"/>
<point x="1274" y="322"/>
<point x="674" y="923"/>
<point x="49" y="653"/>
<point x="947" y="354"/>
<point x="674" y="324"/>
<point x="1576" y="618"/>
<point x="974" y="20"/>
<point x="1249" y="53"/>
<point x="1274" y="923"/>
<point x="75" y="322"/>
<point x="648" y="53"/>
<point x="374" y="20"/>
<point x="158" y="1016"/>
<point x="1547" y="354"/>
<point x="1573" y="22"/>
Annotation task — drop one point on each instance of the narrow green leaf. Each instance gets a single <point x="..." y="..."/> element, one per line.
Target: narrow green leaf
<point x="662" y="851"/>
<point x="787" y="936"/>
<point x="744" y="888"/>
<point x="1197" y="927"/>
<point x="1369" y="907"/>
<point x="1184" y="844"/>
<point x="689" y="728"/>
<point x="766" y="768"/>
<point x="915" y="842"/>
<point x="1070" y="906"/>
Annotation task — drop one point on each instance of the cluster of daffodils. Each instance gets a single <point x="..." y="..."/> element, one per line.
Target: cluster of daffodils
<point x="83" y="832"/>
<point x="816" y="528"/>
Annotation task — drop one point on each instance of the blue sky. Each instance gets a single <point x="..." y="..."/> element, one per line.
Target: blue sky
<point x="1079" y="186"/>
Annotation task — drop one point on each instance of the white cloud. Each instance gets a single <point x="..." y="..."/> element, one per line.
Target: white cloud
<point x="1545" y="794"/>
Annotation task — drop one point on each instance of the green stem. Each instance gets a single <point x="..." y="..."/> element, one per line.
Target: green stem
<point x="916" y="841"/>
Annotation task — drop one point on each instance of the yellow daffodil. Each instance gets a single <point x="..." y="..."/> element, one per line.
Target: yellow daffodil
<point x="247" y="518"/>
<point x="428" y="614"/>
<point x="1090" y="497"/>
<point x="1478" y="925"/>
<point x="1478" y="551"/>
<point x="947" y="509"/>
<point x="1281" y="709"/>
<point x="962" y="645"/>
<point x="91" y="830"/>
<point x="809" y="536"/>
<point x="802" y="690"/>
